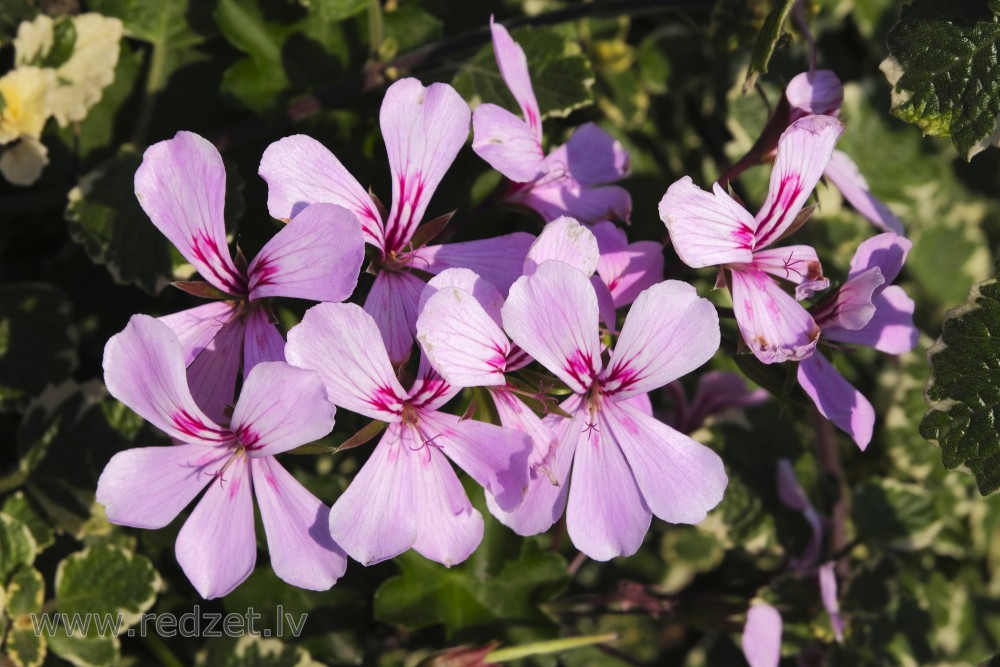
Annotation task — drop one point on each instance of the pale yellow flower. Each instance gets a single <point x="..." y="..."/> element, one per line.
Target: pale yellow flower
<point x="26" y="93"/>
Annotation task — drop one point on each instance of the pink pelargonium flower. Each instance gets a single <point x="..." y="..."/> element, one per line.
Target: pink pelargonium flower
<point x="714" y="230"/>
<point x="761" y="640"/>
<point x="423" y="128"/>
<point x="866" y="310"/>
<point x="279" y="408"/>
<point x="718" y="393"/>
<point x="181" y="185"/>
<point x="626" y="465"/>
<point x="406" y="495"/>
<point x="572" y="179"/>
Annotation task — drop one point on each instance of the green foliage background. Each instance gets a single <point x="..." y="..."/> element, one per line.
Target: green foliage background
<point x="918" y="548"/>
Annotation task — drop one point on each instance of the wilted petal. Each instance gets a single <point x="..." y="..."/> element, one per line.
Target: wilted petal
<point x="828" y="591"/>
<point x="373" y="519"/>
<point x="886" y="251"/>
<point x="680" y="479"/>
<point x="498" y="260"/>
<point x="462" y="341"/>
<point x="836" y="399"/>
<point x="594" y="157"/>
<point x="297" y="526"/>
<point x="507" y="143"/>
<point x="762" y="636"/>
<point x="470" y="282"/>
<point x="281" y="407"/>
<point x="423" y="128"/>
<point x="669" y="332"/>
<point x="216" y="547"/>
<point x="392" y="303"/>
<point x="448" y="528"/>
<point x="798" y="264"/>
<point x="890" y="329"/>
<point x="316" y="256"/>
<point x="212" y="375"/>
<point x="494" y="456"/>
<point x="148" y="487"/>
<point x="775" y="327"/>
<point x="553" y="316"/>
<point x="181" y="185"/>
<point x="343" y="344"/>
<point x="196" y="327"/>
<point x="804" y="151"/>
<point x="262" y="341"/>
<point x="846" y="177"/>
<point x="606" y="516"/>
<point x="566" y="240"/>
<point x="514" y="70"/>
<point x="300" y="171"/>
<point x="144" y="369"/>
<point x="707" y="229"/>
<point x="818" y="92"/>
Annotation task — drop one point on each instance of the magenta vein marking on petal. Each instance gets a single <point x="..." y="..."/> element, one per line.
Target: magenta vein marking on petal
<point x="530" y="116"/>
<point x="430" y="390"/>
<point x="398" y="235"/>
<point x="789" y="188"/>
<point x="579" y="368"/>
<point x="203" y="247"/>
<point x="248" y="438"/>
<point x="264" y="272"/>
<point x="385" y="399"/>
<point x="188" y="425"/>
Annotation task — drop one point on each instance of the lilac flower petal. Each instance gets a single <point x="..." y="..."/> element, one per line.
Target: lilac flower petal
<point x="196" y="327"/>
<point x="392" y="303"/>
<point x="844" y="174"/>
<point x="680" y="479"/>
<point x="566" y="240"/>
<point x="316" y="256"/>
<point x="281" y="407"/>
<point x="262" y="341"/>
<point x="669" y="332"/>
<point x="469" y="281"/>
<point x="890" y="329"/>
<point x="463" y="342"/>
<point x="498" y="260"/>
<point x="148" y="487"/>
<point x="886" y="251"/>
<point x="516" y="415"/>
<point x="851" y="307"/>
<point x="548" y="484"/>
<point x="494" y="456"/>
<point x="553" y="316"/>
<point x="798" y="264"/>
<point x="828" y="591"/>
<point x="804" y="151"/>
<point x="216" y="547"/>
<point x="707" y="229"/>
<point x="558" y="193"/>
<point x="818" y="92"/>
<point x="514" y="70"/>
<point x="775" y="327"/>
<point x="762" y="636"/>
<point x="181" y="185"/>
<point x="300" y="171"/>
<point x="719" y="392"/>
<point x="793" y="496"/>
<point x="212" y="375"/>
<point x="836" y="399"/>
<point x="373" y="519"/>
<point x="605" y="304"/>
<point x="144" y="369"/>
<point x="430" y="391"/>
<point x="626" y="269"/>
<point x="423" y="128"/>
<point x="507" y="143"/>
<point x="343" y="344"/>
<point x="297" y="526"/>
<point x="640" y="402"/>
<point x="448" y="528"/>
<point x="594" y="157"/>
<point x="606" y="515"/>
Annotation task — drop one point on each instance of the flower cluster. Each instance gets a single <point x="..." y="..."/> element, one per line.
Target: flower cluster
<point x="223" y="382"/>
<point x="61" y="68"/>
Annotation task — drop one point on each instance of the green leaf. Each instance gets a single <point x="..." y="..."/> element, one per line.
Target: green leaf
<point x="249" y="651"/>
<point x="25" y="592"/>
<point x="19" y="507"/>
<point x="104" y="217"/>
<point x="61" y="48"/>
<point x="36" y="341"/>
<point x="767" y="39"/>
<point x="335" y="10"/>
<point x="260" y="78"/>
<point x="560" y="74"/>
<point x="105" y="579"/>
<point x="942" y="65"/>
<point x="963" y="393"/>
<point x="24" y="647"/>
<point x="17" y="546"/>
<point x="408" y="27"/>
<point x="83" y="651"/>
